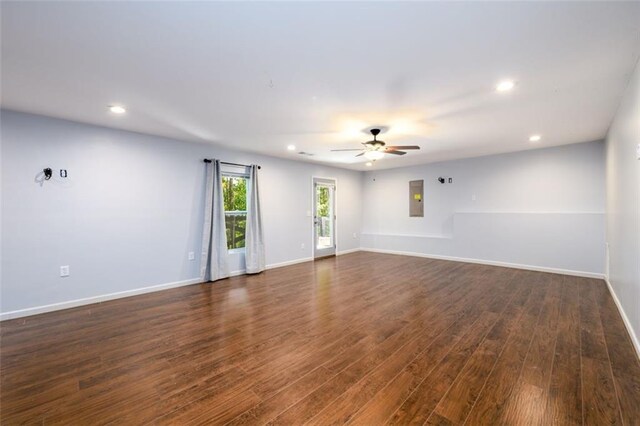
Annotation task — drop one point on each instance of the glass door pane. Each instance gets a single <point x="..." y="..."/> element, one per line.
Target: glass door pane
<point x="323" y="215"/>
<point x="324" y="219"/>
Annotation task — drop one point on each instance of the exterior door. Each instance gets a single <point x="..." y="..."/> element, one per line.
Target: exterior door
<point x="324" y="217"/>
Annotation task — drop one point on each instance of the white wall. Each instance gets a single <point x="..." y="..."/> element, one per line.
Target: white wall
<point x="623" y="206"/>
<point x="131" y="210"/>
<point x="541" y="208"/>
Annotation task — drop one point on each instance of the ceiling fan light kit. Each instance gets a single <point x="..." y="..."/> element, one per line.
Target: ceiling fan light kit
<point x="374" y="155"/>
<point x="375" y="149"/>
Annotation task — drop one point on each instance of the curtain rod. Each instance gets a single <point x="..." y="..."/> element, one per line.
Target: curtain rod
<point x="206" y="160"/>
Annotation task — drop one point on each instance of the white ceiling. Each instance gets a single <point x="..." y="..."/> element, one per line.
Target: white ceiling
<point x="260" y="76"/>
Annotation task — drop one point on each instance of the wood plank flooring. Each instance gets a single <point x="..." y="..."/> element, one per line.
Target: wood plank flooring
<point x="361" y="339"/>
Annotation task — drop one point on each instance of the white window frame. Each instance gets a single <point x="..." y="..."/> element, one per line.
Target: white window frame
<point x="235" y="172"/>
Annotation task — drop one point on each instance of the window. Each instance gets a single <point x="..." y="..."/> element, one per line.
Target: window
<point x="234" y="188"/>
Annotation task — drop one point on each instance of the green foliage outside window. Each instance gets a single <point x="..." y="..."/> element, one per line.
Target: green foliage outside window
<point x="234" y="191"/>
<point x="323" y="201"/>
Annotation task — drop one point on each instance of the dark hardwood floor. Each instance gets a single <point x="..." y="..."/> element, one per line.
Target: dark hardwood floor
<point x="364" y="338"/>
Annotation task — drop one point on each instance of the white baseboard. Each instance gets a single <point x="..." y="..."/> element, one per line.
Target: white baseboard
<point x="289" y="262"/>
<point x="340" y="253"/>
<point x="625" y="319"/>
<point x="94" y="299"/>
<point x="112" y="296"/>
<point x="127" y="293"/>
<point x="490" y="262"/>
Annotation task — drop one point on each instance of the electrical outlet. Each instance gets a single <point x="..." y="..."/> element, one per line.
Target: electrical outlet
<point x="192" y="256"/>
<point x="302" y="246"/>
<point x="64" y="271"/>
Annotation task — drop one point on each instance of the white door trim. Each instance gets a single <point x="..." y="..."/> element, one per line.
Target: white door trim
<point x="335" y="207"/>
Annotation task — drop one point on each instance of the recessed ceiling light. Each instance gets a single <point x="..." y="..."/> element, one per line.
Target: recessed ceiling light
<point x="117" y="109"/>
<point x="505" y="86"/>
<point x="291" y="147"/>
<point x="534" y="138"/>
<point x="368" y="164"/>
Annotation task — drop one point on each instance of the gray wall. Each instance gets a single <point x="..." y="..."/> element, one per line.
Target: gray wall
<point x="540" y="208"/>
<point x="623" y="205"/>
<point x="131" y="210"/>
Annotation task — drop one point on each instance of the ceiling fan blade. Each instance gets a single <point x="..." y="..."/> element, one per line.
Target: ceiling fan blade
<point x="395" y="152"/>
<point x="360" y="155"/>
<point x="356" y="149"/>
<point x="404" y="147"/>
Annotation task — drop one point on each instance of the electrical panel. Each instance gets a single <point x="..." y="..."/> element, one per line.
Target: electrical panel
<point x="416" y="193"/>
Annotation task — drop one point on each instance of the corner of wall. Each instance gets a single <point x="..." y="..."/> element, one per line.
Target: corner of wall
<point x="632" y="335"/>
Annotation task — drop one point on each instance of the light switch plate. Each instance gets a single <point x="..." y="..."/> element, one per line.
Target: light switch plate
<point x="64" y="271"/>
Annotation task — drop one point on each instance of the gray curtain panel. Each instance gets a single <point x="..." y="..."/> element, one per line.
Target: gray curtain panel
<point x="214" y="264"/>
<point x="254" y="239"/>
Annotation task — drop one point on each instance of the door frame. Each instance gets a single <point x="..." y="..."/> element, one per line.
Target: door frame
<point x="335" y="212"/>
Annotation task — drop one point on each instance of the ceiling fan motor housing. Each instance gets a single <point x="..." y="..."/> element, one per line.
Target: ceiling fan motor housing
<point x="375" y="145"/>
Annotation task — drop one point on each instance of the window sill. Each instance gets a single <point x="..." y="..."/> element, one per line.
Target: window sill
<point x="236" y="250"/>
